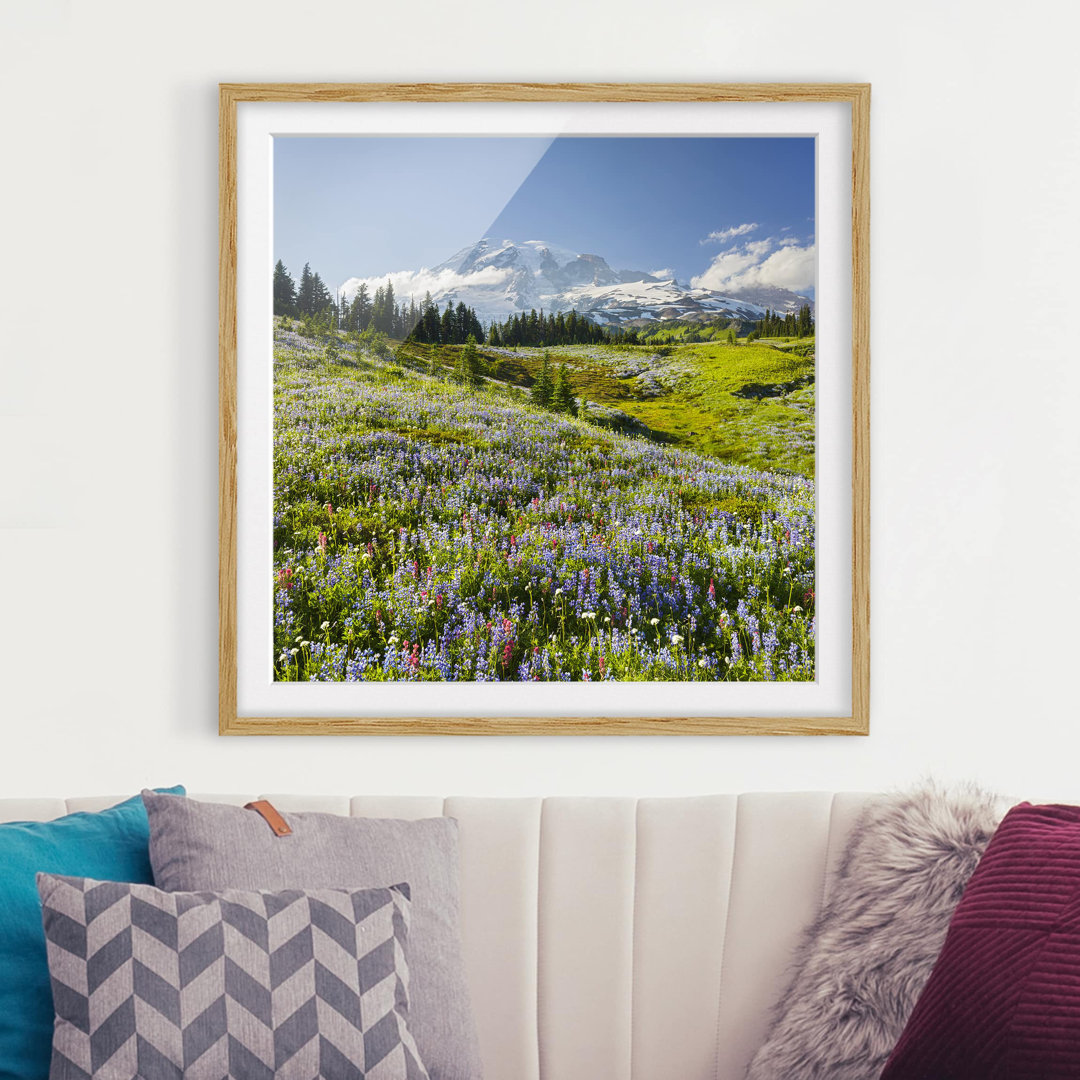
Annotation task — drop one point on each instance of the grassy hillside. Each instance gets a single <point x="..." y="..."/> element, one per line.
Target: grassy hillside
<point x="423" y="530"/>
<point x="746" y="404"/>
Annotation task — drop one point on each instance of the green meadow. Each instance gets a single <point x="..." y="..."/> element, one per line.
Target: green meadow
<point x="747" y="404"/>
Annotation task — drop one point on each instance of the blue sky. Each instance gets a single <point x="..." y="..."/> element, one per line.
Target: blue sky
<point x="715" y="211"/>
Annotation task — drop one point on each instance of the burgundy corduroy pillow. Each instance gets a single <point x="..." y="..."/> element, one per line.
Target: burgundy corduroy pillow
<point x="1003" y="1000"/>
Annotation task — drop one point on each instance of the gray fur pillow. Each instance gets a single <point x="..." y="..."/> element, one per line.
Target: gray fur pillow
<point x="863" y="963"/>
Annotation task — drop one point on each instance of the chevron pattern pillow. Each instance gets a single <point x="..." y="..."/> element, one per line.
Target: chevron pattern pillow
<point x="290" y="985"/>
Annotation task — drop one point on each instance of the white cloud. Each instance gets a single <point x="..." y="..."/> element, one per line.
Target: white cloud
<point x="417" y="282"/>
<point x="762" y="262"/>
<point x="663" y="273"/>
<point x="721" y="236"/>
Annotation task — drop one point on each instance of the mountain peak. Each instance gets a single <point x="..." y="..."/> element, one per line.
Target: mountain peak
<point x="499" y="277"/>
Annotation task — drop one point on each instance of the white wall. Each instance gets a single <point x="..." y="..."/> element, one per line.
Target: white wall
<point x="108" y="413"/>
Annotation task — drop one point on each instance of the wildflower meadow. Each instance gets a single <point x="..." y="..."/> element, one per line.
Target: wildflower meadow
<point x="426" y="530"/>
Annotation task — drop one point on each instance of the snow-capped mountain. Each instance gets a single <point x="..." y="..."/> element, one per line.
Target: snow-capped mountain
<point x="499" y="278"/>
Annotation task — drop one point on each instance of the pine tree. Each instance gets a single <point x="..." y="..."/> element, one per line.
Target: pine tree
<point x="447" y="327"/>
<point x="430" y="319"/>
<point x="468" y="367"/>
<point x="389" y="312"/>
<point x="305" y="295"/>
<point x="384" y="314"/>
<point x="359" y="310"/>
<point x="543" y="388"/>
<point x="321" y="299"/>
<point x="476" y="326"/>
<point x="562" y="397"/>
<point x="284" y="291"/>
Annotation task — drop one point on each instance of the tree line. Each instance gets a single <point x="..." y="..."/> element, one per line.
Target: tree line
<point x="557" y="329"/>
<point x="424" y="323"/>
<point x="792" y="324"/>
<point x="310" y="299"/>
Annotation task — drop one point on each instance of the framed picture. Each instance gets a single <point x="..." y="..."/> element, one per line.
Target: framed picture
<point x="544" y="409"/>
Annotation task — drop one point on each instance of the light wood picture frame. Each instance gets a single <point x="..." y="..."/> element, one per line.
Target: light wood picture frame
<point x="256" y="699"/>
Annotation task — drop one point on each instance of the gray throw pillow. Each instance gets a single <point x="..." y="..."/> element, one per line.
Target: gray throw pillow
<point x="197" y="845"/>
<point x="248" y="985"/>
<point x="864" y="962"/>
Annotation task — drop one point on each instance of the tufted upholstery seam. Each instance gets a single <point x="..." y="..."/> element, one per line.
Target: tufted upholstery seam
<point x="723" y="943"/>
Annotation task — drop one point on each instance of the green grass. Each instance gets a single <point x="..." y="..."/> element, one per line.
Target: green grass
<point x="701" y="410"/>
<point x="744" y="404"/>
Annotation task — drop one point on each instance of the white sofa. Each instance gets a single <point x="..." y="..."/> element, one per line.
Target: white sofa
<point x="616" y="939"/>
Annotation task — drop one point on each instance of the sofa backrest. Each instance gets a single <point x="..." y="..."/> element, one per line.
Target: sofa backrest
<point x="617" y="939"/>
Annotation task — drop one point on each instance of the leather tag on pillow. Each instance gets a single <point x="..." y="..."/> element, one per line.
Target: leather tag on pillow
<point x="268" y="812"/>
